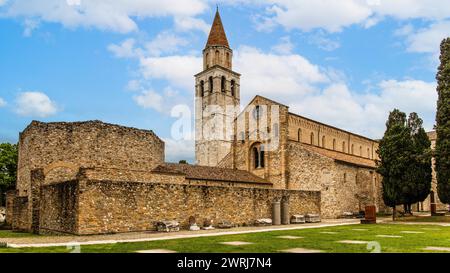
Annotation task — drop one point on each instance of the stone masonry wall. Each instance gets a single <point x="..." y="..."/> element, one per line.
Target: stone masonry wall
<point x="58" y="207"/>
<point x="343" y="187"/>
<point x="61" y="148"/>
<point x="106" y="206"/>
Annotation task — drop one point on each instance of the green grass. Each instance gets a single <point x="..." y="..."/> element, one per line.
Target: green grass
<point x="424" y="219"/>
<point x="10" y="234"/>
<point x="267" y="242"/>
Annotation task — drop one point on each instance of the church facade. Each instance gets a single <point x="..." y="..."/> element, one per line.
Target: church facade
<point x="269" y="141"/>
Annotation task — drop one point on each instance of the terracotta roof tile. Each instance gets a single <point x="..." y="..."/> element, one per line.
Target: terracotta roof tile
<point x="217" y="36"/>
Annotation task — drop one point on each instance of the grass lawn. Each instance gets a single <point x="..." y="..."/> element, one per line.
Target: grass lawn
<point x="425" y="219"/>
<point x="10" y="234"/>
<point x="268" y="242"/>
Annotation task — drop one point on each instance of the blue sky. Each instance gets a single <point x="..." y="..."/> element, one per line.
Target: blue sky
<point x="345" y="63"/>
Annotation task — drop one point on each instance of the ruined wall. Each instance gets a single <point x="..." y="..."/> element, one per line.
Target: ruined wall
<point x="106" y="206"/>
<point x="58" y="207"/>
<point x="10" y="195"/>
<point x="343" y="187"/>
<point x="61" y="148"/>
<point x="21" y="219"/>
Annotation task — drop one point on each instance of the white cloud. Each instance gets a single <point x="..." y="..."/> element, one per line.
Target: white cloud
<point x="2" y="102"/>
<point x="35" y="104"/>
<point x="177" y="150"/>
<point x="333" y="15"/>
<point x="125" y="50"/>
<point x="30" y="26"/>
<point x="321" y="41"/>
<point x="285" y="46"/>
<point x="117" y="15"/>
<point x="2" y="2"/>
<point x="427" y="40"/>
<point x="367" y="113"/>
<point x="270" y="74"/>
<point x="165" y="42"/>
<point x="149" y="99"/>
<point x="191" y="23"/>
<point x="178" y="70"/>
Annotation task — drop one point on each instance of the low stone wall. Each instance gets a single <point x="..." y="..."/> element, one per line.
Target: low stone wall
<point x="58" y="208"/>
<point x="21" y="219"/>
<point x="10" y="195"/>
<point x="107" y="206"/>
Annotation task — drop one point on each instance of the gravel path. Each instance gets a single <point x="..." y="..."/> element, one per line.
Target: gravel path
<point x="47" y="241"/>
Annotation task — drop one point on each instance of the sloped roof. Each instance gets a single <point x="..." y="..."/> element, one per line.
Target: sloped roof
<point x="217" y="36"/>
<point x="209" y="173"/>
<point x="342" y="157"/>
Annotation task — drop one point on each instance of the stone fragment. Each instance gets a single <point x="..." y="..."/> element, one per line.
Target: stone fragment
<point x="289" y="237"/>
<point x="355" y="242"/>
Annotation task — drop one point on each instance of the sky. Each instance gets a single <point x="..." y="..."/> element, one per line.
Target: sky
<point x="131" y="62"/>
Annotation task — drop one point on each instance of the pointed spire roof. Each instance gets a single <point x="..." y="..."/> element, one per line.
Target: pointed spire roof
<point x="217" y="36"/>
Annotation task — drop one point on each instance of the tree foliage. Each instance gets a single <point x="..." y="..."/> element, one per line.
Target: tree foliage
<point x="405" y="161"/>
<point x="8" y="168"/>
<point x="443" y="124"/>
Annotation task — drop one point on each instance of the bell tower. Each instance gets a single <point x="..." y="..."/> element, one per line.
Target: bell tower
<point x="217" y="98"/>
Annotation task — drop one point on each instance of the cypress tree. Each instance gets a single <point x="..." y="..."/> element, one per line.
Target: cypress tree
<point x="417" y="179"/>
<point x="394" y="152"/>
<point x="443" y="124"/>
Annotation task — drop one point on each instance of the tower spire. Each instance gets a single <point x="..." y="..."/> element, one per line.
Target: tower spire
<point x="217" y="36"/>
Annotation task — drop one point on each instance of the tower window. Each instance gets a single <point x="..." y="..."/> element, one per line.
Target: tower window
<point x="202" y="88"/>
<point x="299" y="135"/>
<point x="312" y="138"/>
<point x="222" y="84"/>
<point x="211" y="84"/>
<point x="343" y="146"/>
<point x="323" y="141"/>
<point x="368" y="153"/>
<point x="207" y="60"/>
<point x="353" y="149"/>
<point x="233" y="91"/>
<point x="334" y="144"/>
<point x="360" y="151"/>
<point x="228" y="60"/>
<point x="217" y="60"/>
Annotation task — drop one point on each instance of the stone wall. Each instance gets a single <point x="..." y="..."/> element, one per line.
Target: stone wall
<point x="58" y="207"/>
<point x="10" y="195"/>
<point x="344" y="187"/>
<point x="59" y="149"/>
<point x="106" y="206"/>
<point x="22" y="213"/>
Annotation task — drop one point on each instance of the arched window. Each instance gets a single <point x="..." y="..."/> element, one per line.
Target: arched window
<point x="211" y="84"/>
<point x="233" y="88"/>
<point x="261" y="156"/>
<point x="299" y="135"/>
<point x="242" y="137"/>
<point x="334" y="144"/>
<point x="343" y="146"/>
<point x="258" y="156"/>
<point x="217" y="61"/>
<point x="323" y="141"/>
<point x="312" y="138"/>
<point x="228" y="60"/>
<point x="202" y="88"/>
<point x="207" y="60"/>
<point x="360" y="151"/>
<point x="222" y="84"/>
<point x="368" y="153"/>
<point x="353" y="149"/>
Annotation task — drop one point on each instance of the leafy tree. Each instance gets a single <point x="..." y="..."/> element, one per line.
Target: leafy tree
<point x="395" y="153"/>
<point x="416" y="184"/>
<point x="443" y="124"/>
<point x="182" y="161"/>
<point x="8" y="168"/>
